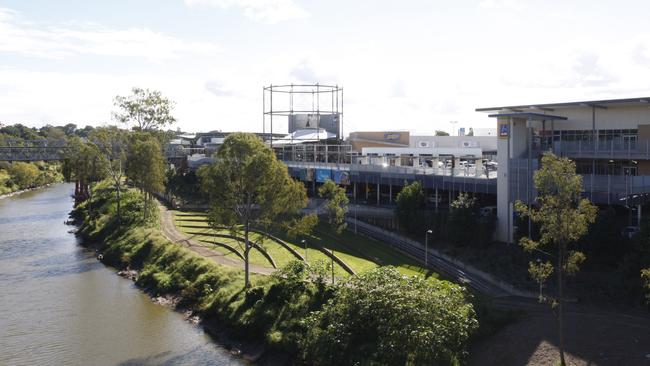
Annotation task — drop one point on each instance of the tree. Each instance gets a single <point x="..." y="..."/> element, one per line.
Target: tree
<point x="146" y="167"/>
<point x="645" y="277"/>
<point x="410" y="201"/>
<point x="441" y="133"/>
<point x="146" y="109"/>
<point x="249" y="188"/>
<point x="463" y="220"/>
<point x="113" y="144"/>
<point x="382" y="317"/>
<point x="24" y="174"/>
<point x="471" y="132"/>
<point x="336" y="204"/>
<point x="563" y="218"/>
<point x="83" y="163"/>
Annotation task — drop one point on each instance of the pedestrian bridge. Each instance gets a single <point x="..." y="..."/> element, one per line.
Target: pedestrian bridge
<point x="33" y="150"/>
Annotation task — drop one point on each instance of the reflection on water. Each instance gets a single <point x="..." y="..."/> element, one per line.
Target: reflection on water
<point x="60" y="306"/>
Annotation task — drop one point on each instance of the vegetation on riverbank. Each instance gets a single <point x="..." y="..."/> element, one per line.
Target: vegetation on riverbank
<point x="25" y="175"/>
<point x="288" y="311"/>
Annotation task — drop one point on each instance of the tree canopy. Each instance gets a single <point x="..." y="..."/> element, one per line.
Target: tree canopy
<point x="249" y="188"/>
<point x="410" y="201"/>
<point x="144" y="109"/>
<point x="563" y="218"/>
<point x="336" y="204"/>
<point x="382" y="317"/>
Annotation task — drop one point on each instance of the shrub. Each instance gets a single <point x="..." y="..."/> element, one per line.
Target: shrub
<point x="383" y="317"/>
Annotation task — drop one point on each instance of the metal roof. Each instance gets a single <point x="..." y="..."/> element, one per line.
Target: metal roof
<point x="529" y="115"/>
<point x="588" y="103"/>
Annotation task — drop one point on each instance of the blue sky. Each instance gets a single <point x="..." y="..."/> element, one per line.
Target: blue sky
<point x="413" y="65"/>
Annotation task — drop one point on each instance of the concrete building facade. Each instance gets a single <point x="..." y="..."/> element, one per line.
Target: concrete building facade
<point x="608" y="139"/>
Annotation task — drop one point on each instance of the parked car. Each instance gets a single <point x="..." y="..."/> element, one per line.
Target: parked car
<point x="488" y="211"/>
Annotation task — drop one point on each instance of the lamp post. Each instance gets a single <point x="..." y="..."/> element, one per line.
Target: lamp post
<point x="426" y="247"/>
<point x="304" y="244"/>
<point x="539" y="262"/>
<point x="453" y="125"/>
<point x="332" y="266"/>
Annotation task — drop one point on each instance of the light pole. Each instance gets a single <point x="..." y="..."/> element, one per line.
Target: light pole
<point x="426" y="247"/>
<point x="332" y="266"/>
<point x="539" y="262"/>
<point x="453" y="125"/>
<point x="304" y="244"/>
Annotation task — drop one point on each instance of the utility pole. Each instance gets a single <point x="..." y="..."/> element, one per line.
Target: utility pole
<point x="426" y="247"/>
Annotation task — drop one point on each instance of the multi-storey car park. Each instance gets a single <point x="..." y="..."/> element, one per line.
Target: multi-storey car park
<point x="608" y="139"/>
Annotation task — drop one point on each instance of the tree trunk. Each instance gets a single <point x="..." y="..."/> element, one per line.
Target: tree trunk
<point x="119" y="217"/>
<point x="246" y="252"/>
<point x="560" y="316"/>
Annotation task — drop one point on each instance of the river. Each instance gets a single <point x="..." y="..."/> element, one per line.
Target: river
<point x="60" y="306"/>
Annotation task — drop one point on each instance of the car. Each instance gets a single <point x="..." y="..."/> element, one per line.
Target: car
<point x="630" y="231"/>
<point x="488" y="211"/>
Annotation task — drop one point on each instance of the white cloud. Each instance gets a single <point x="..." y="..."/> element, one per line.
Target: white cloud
<point x="501" y="4"/>
<point x="58" y="41"/>
<point x="264" y="11"/>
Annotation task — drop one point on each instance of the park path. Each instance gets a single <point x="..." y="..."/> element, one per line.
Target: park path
<point x="171" y="232"/>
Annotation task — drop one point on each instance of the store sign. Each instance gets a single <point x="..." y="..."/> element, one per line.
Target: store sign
<point x="392" y="136"/>
<point x="504" y="129"/>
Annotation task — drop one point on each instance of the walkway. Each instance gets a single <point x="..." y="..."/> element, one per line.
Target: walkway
<point x="171" y="232"/>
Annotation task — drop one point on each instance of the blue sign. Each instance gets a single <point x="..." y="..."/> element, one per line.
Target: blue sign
<point x="322" y="175"/>
<point x="504" y="130"/>
<point x="341" y="177"/>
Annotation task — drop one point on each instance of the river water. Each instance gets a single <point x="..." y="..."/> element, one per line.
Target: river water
<point x="60" y="306"/>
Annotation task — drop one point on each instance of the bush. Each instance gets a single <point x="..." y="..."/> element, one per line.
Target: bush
<point x="463" y="220"/>
<point x="410" y="202"/>
<point x="383" y="317"/>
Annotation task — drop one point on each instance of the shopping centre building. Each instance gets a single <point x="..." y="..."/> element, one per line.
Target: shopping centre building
<point x="608" y="139"/>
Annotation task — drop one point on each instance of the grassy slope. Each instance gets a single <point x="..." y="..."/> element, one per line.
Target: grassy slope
<point x="271" y="312"/>
<point x="359" y="252"/>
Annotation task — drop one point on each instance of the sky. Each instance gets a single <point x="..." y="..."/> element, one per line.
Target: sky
<point x="404" y="65"/>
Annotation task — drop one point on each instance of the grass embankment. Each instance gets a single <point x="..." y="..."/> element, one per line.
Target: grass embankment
<point x="358" y="252"/>
<point x="286" y="311"/>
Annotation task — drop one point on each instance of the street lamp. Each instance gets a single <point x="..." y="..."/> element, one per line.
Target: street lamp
<point x="453" y="125"/>
<point x="426" y="247"/>
<point x="332" y="251"/>
<point x="304" y="244"/>
<point x="539" y="262"/>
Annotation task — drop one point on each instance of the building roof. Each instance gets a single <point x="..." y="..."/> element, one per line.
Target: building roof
<point x="589" y="103"/>
<point x="305" y="135"/>
<point x="531" y="116"/>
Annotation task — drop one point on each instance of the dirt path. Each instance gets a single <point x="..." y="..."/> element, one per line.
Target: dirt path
<point x="171" y="232"/>
<point x="593" y="337"/>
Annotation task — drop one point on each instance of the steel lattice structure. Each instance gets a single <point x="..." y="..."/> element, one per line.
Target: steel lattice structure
<point x="288" y="103"/>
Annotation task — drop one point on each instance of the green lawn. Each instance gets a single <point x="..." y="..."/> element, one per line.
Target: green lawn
<point x="358" y="252"/>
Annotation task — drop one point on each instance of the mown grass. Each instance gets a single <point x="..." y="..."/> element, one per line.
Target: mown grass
<point x="359" y="252"/>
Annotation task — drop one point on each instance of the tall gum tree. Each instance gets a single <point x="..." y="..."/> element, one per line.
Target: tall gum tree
<point x="112" y="144"/>
<point x="563" y="218"/>
<point x="249" y="188"/>
<point x="144" y="109"/>
<point x="336" y="205"/>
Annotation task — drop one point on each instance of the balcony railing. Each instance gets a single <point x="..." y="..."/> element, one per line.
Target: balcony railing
<point x="614" y="148"/>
